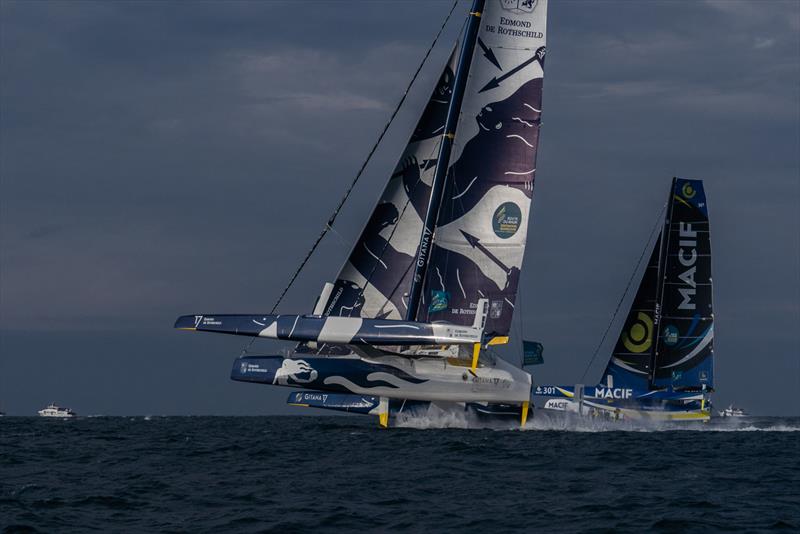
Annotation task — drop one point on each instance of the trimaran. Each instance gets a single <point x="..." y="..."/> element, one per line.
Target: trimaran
<point x="662" y="366"/>
<point x="431" y="283"/>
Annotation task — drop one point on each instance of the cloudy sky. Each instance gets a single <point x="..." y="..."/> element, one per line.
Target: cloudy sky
<point x="163" y="158"/>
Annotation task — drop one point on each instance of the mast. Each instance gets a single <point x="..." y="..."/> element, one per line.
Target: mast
<point x="662" y="277"/>
<point x="443" y="160"/>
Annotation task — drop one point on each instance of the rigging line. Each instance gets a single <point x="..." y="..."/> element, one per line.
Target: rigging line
<point x="332" y="218"/>
<point x="659" y="221"/>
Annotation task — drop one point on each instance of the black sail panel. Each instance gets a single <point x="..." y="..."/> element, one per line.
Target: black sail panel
<point x="684" y="348"/>
<point x="630" y="363"/>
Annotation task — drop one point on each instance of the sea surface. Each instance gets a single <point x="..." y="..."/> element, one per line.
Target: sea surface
<point x="325" y="474"/>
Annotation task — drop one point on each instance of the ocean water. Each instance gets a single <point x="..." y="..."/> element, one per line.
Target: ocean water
<point x="325" y="474"/>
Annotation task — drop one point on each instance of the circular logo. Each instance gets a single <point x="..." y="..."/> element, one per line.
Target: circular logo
<point x="688" y="191"/>
<point x="506" y="220"/>
<point x="671" y="335"/>
<point x="639" y="336"/>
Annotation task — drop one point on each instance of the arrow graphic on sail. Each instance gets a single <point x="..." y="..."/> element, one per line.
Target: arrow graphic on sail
<point x="487" y="52"/>
<point x="497" y="80"/>
<point x="476" y="243"/>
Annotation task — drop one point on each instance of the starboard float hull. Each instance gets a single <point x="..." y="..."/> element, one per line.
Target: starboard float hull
<point x="421" y="379"/>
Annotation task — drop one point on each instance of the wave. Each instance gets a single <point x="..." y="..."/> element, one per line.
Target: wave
<point x="439" y="418"/>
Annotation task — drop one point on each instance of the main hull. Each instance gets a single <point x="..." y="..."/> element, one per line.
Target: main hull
<point x="392" y="377"/>
<point x="679" y="408"/>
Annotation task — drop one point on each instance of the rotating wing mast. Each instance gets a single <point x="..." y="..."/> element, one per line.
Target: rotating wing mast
<point x="445" y="148"/>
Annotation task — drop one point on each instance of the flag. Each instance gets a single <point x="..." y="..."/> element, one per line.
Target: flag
<point x="532" y="353"/>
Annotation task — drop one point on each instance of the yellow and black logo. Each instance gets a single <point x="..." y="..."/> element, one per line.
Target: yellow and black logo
<point x="639" y="336"/>
<point x="688" y="191"/>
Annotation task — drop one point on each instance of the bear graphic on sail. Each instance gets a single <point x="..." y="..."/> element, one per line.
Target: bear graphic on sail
<point x="431" y="282"/>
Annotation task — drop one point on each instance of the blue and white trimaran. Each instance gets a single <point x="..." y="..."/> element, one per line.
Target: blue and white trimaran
<point x="432" y="281"/>
<point x="662" y="366"/>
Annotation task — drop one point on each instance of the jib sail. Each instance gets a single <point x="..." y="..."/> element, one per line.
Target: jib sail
<point x="375" y="278"/>
<point x="631" y="361"/>
<point x="482" y="223"/>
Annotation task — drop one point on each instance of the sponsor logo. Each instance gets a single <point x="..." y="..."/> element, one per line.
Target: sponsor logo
<point x="639" y="336"/>
<point x="506" y="220"/>
<point x="519" y="6"/>
<point x="298" y="371"/>
<point x="423" y="247"/>
<point x="677" y="375"/>
<point x="557" y="404"/>
<point x="496" y="309"/>
<point x="688" y="191"/>
<point x="439" y="301"/>
<point x="687" y="257"/>
<point x="501" y="383"/>
<point x="671" y="335"/>
<point x="703" y="376"/>
<point x="246" y="367"/>
<point x="612" y="393"/>
<point x="321" y="397"/>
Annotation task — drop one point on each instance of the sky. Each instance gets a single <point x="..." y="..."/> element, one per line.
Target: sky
<point x="168" y="158"/>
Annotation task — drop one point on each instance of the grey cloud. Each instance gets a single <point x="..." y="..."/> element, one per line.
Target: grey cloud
<point x="160" y="158"/>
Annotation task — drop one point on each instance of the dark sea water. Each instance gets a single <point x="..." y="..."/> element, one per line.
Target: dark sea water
<point x="323" y="474"/>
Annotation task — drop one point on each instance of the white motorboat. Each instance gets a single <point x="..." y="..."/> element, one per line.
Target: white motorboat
<point x="730" y="411"/>
<point x="53" y="410"/>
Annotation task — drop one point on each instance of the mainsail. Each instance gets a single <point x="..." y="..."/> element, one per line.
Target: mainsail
<point x="375" y="278"/>
<point x="684" y="348"/>
<point x="482" y="223"/>
<point x="667" y="339"/>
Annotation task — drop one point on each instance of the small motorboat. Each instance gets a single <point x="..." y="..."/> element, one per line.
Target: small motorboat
<point x="53" y="410"/>
<point x="730" y="411"/>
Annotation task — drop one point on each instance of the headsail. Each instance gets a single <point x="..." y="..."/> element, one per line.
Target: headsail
<point x="667" y="338"/>
<point x="376" y="276"/>
<point x="684" y="347"/>
<point x="482" y="224"/>
<point x="630" y="363"/>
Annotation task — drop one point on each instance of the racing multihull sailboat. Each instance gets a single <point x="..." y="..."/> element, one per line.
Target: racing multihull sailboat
<point x="431" y="283"/>
<point x="662" y="365"/>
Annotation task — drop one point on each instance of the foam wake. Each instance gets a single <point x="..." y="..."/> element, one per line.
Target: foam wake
<point x="437" y="417"/>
